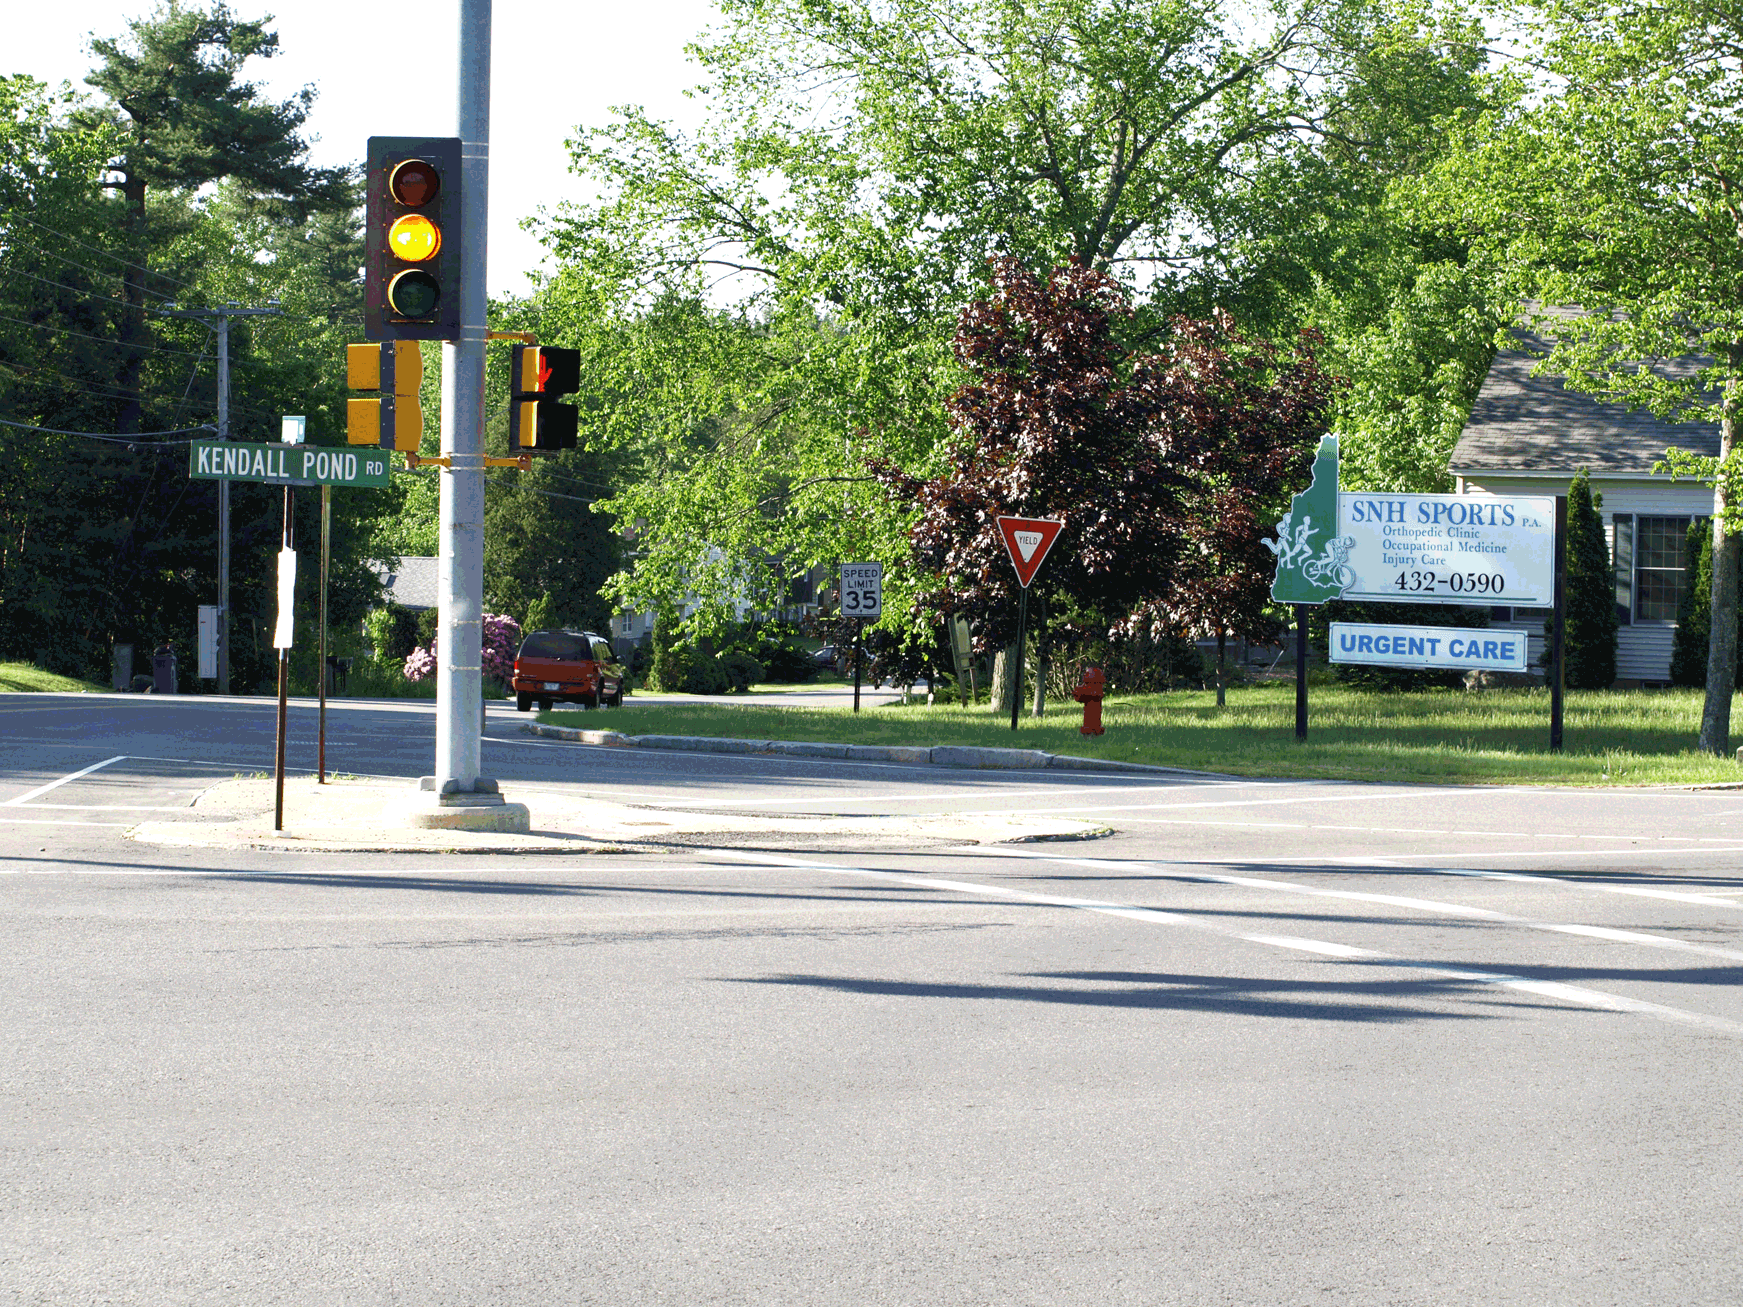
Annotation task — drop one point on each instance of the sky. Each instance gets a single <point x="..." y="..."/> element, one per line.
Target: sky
<point x="554" y="66"/>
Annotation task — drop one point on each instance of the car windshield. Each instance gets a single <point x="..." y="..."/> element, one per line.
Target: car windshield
<point x="558" y="645"/>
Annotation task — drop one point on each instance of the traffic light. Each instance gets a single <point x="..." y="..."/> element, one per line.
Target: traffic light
<point x="412" y="244"/>
<point x="537" y="424"/>
<point x="395" y="420"/>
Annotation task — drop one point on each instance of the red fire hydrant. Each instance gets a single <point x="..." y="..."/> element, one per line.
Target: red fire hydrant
<point x="1089" y="692"/>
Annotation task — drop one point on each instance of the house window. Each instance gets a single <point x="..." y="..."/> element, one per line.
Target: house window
<point x="1622" y="536"/>
<point x="1660" y="565"/>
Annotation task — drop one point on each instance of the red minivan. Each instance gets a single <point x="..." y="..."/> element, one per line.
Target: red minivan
<point x="566" y="667"/>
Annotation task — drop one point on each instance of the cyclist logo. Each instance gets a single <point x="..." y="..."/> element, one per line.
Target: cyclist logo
<point x="1312" y="558"/>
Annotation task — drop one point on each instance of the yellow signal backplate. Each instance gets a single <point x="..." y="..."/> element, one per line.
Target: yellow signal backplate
<point x="363" y="366"/>
<point x="362" y="421"/>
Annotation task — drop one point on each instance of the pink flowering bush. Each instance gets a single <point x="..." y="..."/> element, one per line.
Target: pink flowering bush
<point x="501" y="642"/>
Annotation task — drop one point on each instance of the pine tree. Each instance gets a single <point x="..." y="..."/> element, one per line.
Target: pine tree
<point x="1591" y="592"/>
<point x="184" y="120"/>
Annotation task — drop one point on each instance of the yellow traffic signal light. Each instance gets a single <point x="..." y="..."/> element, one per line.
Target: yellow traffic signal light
<point x="412" y="244"/>
<point x="395" y="420"/>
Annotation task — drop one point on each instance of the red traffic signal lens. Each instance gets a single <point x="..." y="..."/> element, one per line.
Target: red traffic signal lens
<point x="414" y="294"/>
<point x="414" y="238"/>
<point x="413" y="183"/>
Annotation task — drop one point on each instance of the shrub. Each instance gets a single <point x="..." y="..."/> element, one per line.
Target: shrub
<point x="501" y="643"/>
<point x="740" y="670"/>
<point x="393" y="631"/>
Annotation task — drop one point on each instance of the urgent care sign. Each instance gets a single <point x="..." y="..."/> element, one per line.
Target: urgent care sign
<point x="1455" y="647"/>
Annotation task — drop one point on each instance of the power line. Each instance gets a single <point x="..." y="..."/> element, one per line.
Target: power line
<point x="113" y="440"/>
<point x="72" y="262"/>
<point x="150" y="272"/>
<point x="88" y="295"/>
<point x="101" y="340"/>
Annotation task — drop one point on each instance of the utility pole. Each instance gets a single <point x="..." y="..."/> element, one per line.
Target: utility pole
<point x="218" y="320"/>
<point x="459" y="692"/>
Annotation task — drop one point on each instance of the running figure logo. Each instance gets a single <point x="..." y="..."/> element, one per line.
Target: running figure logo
<point x="1312" y="558"/>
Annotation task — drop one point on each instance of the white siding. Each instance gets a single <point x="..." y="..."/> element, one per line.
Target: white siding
<point x="1643" y="649"/>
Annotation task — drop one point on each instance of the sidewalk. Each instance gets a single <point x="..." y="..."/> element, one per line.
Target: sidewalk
<point x="357" y="816"/>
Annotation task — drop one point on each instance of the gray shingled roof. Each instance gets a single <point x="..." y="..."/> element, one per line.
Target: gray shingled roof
<point x="1522" y="423"/>
<point x="413" y="583"/>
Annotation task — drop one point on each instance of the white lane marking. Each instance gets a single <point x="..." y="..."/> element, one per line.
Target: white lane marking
<point x="55" y="785"/>
<point x="1436" y="907"/>
<point x="103" y="807"/>
<point x="7" y="820"/>
<point x="1548" y="989"/>
<point x="1637" y="891"/>
<point x="1425" y="830"/>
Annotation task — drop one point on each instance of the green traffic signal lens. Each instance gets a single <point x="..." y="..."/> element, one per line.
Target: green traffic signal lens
<point x="414" y="183"/>
<point x="414" y="293"/>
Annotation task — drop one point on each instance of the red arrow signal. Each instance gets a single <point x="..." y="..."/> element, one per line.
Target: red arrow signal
<point x="1027" y="540"/>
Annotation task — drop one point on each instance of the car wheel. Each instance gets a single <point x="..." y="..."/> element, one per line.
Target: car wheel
<point x="614" y="700"/>
<point x="544" y="705"/>
<point x="523" y="703"/>
<point x="590" y="700"/>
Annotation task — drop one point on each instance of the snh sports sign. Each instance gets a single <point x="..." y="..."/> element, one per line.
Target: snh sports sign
<point x="291" y="465"/>
<point x="1415" y="549"/>
<point x="1458" y="648"/>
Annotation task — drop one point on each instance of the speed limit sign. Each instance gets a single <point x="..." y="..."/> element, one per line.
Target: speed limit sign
<point x="862" y="590"/>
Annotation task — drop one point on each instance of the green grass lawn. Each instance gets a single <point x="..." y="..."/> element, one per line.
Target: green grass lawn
<point x="1627" y="737"/>
<point x="24" y="678"/>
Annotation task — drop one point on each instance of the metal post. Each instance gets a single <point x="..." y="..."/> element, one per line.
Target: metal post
<point x="321" y="654"/>
<point x="1558" y="633"/>
<point x="858" y="645"/>
<point x="459" y="691"/>
<point x="283" y="689"/>
<point x="224" y="510"/>
<point x="1016" y="676"/>
<point x="1301" y="671"/>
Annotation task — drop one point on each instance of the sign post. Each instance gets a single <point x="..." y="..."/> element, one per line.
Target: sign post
<point x="862" y="598"/>
<point x="281" y="639"/>
<point x="1027" y="540"/>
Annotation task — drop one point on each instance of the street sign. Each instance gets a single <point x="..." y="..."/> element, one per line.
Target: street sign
<point x="862" y="590"/>
<point x="1027" y="540"/>
<point x="1457" y="647"/>
<point x="287" y="465"/>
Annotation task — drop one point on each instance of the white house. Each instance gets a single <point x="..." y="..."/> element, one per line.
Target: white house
<point x="1528" y="436"/>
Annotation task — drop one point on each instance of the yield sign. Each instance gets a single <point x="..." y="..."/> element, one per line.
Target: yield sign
<point x="1028" y="539"/>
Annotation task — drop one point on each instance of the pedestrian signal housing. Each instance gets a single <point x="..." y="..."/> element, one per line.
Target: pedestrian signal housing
<point x="537" y="424"/>
<point x="412" y="245"/>
<point x="394" y="419"/>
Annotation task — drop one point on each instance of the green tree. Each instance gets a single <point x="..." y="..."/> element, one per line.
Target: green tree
<point x="770" y="303"/>
<point x="1590" y="639"/>
<point x="1617" y="187"/>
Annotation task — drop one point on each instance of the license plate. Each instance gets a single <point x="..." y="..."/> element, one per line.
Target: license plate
<point x="553" y="685"/>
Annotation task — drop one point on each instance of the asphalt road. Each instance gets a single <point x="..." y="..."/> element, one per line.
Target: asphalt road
<point x="1268" y="1043"/>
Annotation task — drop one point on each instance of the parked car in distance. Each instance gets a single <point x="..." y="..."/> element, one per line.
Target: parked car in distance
<point x="566" y="667"/>
<point x="826" y="656"/>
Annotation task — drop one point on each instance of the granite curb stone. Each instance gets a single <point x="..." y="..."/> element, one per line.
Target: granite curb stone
<point x="941" y="755"/>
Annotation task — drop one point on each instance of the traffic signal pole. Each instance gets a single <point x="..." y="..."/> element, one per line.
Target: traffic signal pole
<point x="459" y="690"/>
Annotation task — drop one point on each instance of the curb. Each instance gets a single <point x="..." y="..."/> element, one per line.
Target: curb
<point x="911" y="755"/>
